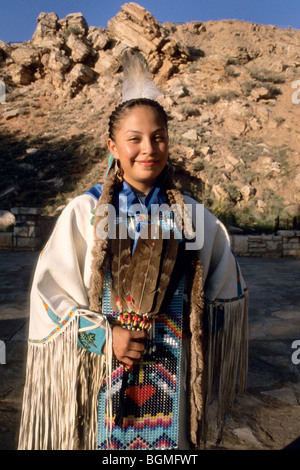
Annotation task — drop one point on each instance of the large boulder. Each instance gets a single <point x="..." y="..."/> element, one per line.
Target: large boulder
<point x="99" y="38"/>
<point x="20" y="75"/>
<point x="106" y="63"/>
<point x="135" y="26"/>
<point x="247" y="192"/>
<point x="80" y="50"/>
<point x="26" y="63"/>
<point x="261" y="93"/>
<point x="235" y="126"/>
<point x="47" y="27"/>
<point x="7" y="219"/>
<point x="5" y="50"/>
<point x="76" y="23"/>
<point x="80" y="75"/>
<point x="26" y="56"/>
<point x="58" y="61"/>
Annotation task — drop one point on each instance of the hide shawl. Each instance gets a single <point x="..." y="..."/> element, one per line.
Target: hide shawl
<point x="63" y="379"/>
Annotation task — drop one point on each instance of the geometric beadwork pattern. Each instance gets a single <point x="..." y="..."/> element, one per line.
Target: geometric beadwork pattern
<point x="151" y="399"/>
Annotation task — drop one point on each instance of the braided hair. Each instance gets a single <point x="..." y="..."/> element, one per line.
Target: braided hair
<point x="112" y="186"/>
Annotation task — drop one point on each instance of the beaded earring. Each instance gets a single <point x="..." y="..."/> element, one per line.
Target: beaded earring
<point x="109" y="164"/>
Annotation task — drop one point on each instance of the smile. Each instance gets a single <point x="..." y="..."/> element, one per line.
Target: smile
<point x="147" y="164"/>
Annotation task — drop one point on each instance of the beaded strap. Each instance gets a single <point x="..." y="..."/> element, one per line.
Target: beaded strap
<point x="149" y="413"/>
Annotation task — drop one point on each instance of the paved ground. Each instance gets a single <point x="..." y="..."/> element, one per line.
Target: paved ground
<point x="267" y="417"/>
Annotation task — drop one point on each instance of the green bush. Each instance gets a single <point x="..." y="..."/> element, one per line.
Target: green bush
<point x="199" y="165"/>
<point x="265" y="75"/>
<point x="189" y="110"/>
<point x="198" y="99"/>
<point x="211" y="98"/>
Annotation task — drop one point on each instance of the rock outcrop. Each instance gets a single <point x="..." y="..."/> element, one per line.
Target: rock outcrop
<point x="58" y="45"/>
<point x="227" y="86"/>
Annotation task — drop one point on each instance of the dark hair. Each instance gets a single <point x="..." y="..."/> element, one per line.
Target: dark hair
<point x="112" y="185"/>
<point x="120" y="112"/>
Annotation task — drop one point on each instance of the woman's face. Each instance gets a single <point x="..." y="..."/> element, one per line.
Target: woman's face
<point x="141" y="146"/>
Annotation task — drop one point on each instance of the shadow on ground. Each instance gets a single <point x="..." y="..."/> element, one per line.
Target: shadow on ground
<point x="267" y="417"/>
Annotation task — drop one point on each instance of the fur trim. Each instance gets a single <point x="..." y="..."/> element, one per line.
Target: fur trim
<point x="197" y="357"/>
<point x="100" y="246"/>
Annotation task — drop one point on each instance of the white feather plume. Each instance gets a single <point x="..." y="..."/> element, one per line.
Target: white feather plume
<point x="137" y="82"/>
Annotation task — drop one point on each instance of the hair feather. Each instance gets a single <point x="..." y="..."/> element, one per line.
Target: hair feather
<point x="137" y="82"/>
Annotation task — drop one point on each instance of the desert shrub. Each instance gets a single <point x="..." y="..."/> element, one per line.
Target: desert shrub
<point x="248" y="86"/>
<point x="13" y="95"/>
<point x="189" y="110"/>
<point x="231" y="72"/>
<point x="231" y="61"/>
<point x="212" y="98"/>
<point x="198" y="99"/>
<point x="225" y="212"/>
<point x="232" y="191"/>
<point x="199" y="165"/>
<point x="245" y="217"/>
<point x="228" y="95"/>
<point x="265" y="75"/>
<point x="248" y="151"/>
<point x="72" y="30"/>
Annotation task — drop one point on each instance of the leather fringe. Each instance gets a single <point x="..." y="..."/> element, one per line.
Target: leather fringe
<point x="91" y="372"/>
<point x="226" y="359"/>
<point x="49" y="402"/>
<point x="60" y="395"/>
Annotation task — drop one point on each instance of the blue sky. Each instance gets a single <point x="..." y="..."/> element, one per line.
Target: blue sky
<point x="18" y="17"/>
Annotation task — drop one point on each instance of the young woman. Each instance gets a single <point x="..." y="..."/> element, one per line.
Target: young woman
<point x="131" y="317"/>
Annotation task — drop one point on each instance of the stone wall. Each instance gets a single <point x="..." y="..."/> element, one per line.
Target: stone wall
<point x="283" y="244"/>
<point x="30" y="231"/>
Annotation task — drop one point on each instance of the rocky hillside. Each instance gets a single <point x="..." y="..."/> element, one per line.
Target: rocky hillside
<point x="231" y="90"/>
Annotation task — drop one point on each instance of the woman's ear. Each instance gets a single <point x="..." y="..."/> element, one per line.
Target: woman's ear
<point x="113" y="148"/>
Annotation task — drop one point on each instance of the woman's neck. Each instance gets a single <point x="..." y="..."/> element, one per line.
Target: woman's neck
<point x="139" y="188"/>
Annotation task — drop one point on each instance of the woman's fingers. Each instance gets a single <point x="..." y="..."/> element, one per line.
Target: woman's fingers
<point x="128" y="345"/>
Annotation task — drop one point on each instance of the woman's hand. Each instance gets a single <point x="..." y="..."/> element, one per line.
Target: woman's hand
<point x="128" y="345"/>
